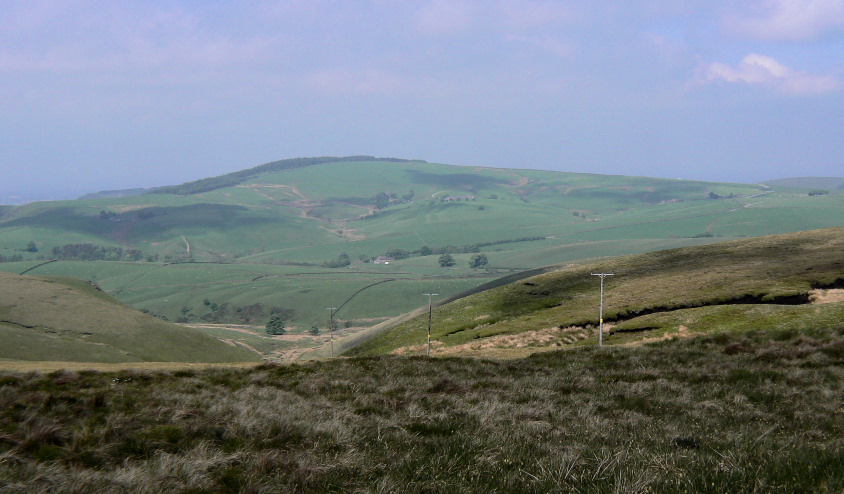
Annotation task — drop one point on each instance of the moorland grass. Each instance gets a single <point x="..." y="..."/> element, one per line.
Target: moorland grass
<point x="779" y="268"/>
<point x="755" y="412"/>
<point x="65" y="320"/>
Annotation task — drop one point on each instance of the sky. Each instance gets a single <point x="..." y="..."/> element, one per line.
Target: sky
<point x="103" y="95"/>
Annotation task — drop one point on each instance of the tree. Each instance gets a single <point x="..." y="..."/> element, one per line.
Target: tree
<point x="275" y="325"/>
<point x="31" y="247"/>
<point x="382" y="200"/>
<point x="446" y="260"/>
<point x="314" y="330"/>
<point x="478" y="261"/>
<point x="425" y="251"/>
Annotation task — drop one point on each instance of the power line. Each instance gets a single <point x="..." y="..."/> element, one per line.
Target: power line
<point x="601" y="327"/>
<point x="331" y="327"/>
<point x="430" y="311"/>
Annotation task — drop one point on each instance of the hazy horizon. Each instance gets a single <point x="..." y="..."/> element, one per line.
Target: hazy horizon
<point x="107" y="96"/>
<point x="10" y="197"/>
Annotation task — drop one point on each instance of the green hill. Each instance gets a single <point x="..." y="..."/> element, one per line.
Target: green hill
<point x="766" y="283"/>
<point x="272" y="238"/>
<point x="831" y="184"/>
<point x="69" y="320"/>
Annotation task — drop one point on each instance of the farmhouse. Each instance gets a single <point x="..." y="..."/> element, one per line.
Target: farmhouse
<point x="458" y="198"/>
<point x="383" y="260"/>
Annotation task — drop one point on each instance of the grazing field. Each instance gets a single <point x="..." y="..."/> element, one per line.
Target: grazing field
<point x="275" y="235"/>
<point x="645" y="297"/>
<point x="753" y="411"/>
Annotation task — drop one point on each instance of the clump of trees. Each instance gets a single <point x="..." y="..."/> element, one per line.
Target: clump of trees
<point x="90" y="252"/>
<point x="446" y="260"/>
<point x="249" y="314"/>
<point x="397" y="253"/>
<point x="713" y="195"/>
<point x="384" y="199"/>
<point x="342" y="260"/>
<point x="818" y="192"/>
<point x="478" y="261"/>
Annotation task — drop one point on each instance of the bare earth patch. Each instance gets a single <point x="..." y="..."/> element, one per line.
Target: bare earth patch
<point x="826" y="296"/>
<point x="682" y="332"/>
<point x="542" y="338"/>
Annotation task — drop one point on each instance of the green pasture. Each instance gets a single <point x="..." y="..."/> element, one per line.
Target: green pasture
<point x="166" y="290"/>
<point x="764" y="270"/>
<point x="309" y="215"/>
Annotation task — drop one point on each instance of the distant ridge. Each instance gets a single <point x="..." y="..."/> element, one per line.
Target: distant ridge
<point x="235" y="178"/>
<point x="828" y="183"/>
<point x="104" y="194"/>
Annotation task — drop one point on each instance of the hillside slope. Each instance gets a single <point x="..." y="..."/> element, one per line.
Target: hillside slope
<point x="68" y="320"/>
<point x="705" y="288"/>
<point x="272" y="237"/>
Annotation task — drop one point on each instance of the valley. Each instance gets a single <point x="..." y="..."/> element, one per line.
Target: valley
<point x="294" y="237"/>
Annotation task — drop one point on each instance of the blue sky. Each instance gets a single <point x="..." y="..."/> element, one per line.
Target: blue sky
<point x="108" y="95"/>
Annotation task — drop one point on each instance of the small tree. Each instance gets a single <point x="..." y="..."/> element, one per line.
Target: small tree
<point x="314" y="330"/>
<point x="275" y="325"/>
<point x="382" y="200"/>
<point x="31" y="247"/>
<point x="478" y="261"/>
<point x="446" y="260"/>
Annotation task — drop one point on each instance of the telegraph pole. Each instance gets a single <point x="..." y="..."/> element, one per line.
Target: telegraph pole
<point x="601" y="328"/>
<point x="430" y="311"/>
<point x="331" y="327"/>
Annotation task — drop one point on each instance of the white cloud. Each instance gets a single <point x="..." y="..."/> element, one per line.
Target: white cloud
<point x="762" y="70"/>
<point x="794" y="20"/>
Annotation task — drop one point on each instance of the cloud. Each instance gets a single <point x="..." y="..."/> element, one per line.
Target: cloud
<point x="794" y="20"/>
<point x="762" y="70"/>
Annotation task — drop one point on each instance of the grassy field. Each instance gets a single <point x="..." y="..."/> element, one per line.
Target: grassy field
<point x="62" y="319"/>
<point x="261" y="236"/>
<point x="761" y="272"/>
<point x="755" y="411"/>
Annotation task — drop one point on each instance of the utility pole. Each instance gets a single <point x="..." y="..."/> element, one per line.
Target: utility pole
<point x="601" y="328"/>
<point x="331" y="327"/>
<point x="430" y="311"/>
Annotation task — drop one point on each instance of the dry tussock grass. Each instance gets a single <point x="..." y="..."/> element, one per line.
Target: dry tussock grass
<point x="676" y="416"/>
<point x="831" y="296"/>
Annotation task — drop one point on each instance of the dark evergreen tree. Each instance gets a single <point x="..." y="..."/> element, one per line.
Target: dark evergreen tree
<point x="275" y="325"/>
